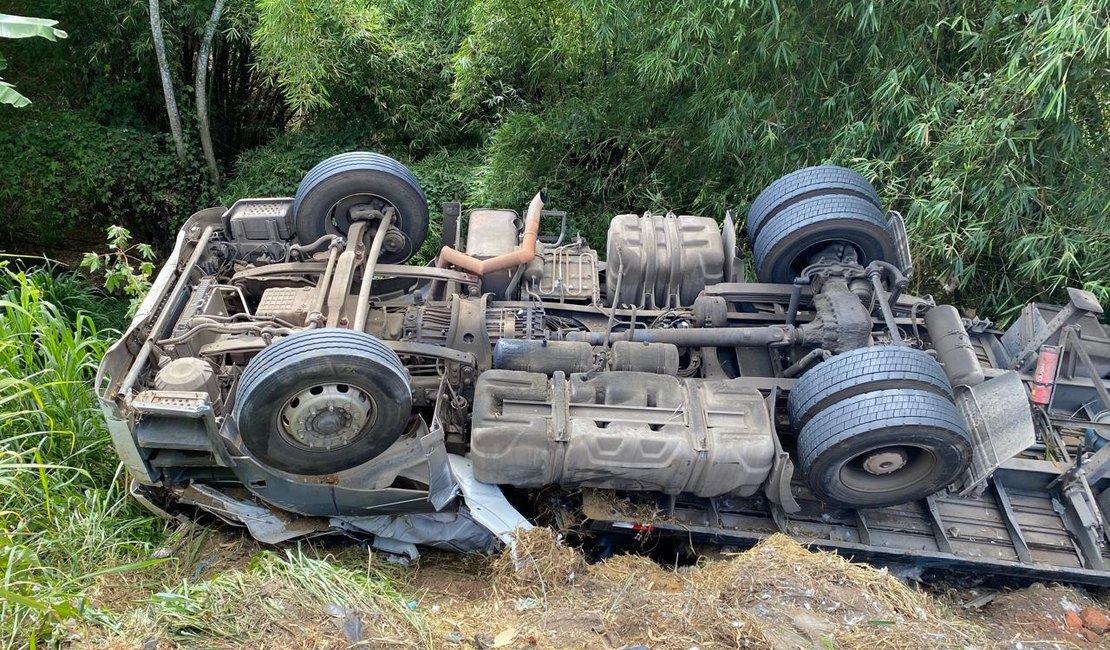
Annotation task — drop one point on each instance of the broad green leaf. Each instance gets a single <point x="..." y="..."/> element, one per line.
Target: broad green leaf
<point x="25" y="27"/>
<point x="8" y="95"/>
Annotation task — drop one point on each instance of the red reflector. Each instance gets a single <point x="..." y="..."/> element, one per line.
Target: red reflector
<point x="1044" y="375"/>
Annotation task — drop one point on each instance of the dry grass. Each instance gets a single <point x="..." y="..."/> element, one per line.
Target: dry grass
<point x="776" y="595"/>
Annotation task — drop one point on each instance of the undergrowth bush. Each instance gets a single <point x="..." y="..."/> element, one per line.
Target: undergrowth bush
<point x="984" y="123"/>
<point x="64" y="514"/>
<point x="66" y="175"/>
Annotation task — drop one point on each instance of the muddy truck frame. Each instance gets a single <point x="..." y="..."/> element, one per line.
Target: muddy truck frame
<point x="289" y="373"/>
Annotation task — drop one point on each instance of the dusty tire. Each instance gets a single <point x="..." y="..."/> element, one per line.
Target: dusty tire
<point x="861" y="371"/>
<point x="362" y="406"/>
<point x="331" y="188"/>
<point x="822" y="180"/>
<point x="783" y="247"/>
<point x="883" y="448"/>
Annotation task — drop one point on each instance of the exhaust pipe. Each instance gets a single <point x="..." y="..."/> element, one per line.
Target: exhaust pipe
<point x="522" y="255"/>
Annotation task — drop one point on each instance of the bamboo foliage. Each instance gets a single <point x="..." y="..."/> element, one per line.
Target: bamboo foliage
<point x="984" y="123"/>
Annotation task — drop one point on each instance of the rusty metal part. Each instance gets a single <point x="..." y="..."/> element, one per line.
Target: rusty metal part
<point x="523" y="255"/>
<point x="841" y="323"/>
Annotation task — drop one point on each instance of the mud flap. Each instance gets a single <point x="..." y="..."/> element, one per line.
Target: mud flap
<point x="777" y="486"/>
<point x="1001" y="425"/>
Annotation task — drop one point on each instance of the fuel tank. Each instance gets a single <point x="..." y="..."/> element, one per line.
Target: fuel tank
<point x="622" y="431"/>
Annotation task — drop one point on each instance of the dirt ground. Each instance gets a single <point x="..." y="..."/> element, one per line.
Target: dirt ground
<point x="776" y="595"/>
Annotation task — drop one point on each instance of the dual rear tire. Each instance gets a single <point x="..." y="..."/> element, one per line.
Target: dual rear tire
<point x="878" y="427"/>
<point x="812" y="211"/>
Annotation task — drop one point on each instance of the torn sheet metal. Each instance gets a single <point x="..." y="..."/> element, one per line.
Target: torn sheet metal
<point x="449" y="531"/>
<point x="488" y="505"/>
<point x="264" y="524"/>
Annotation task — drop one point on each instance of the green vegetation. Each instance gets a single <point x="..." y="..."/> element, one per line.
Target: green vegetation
<point x="67" y="525"/>
<point x="23" y="27"/>
<point x="65" y="175"/>
<point x="984" y="123"/>
<point x="127" y="267"/>
<point x="64" y="517"/>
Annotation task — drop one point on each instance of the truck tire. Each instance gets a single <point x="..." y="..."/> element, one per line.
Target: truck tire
<point x="822" y="180"/>
<point x="330" y="189"/>
<point x="883" y="448"/>
<point x="322" y="401"/>
<point x="861" y="371"/>
<point x="786" y="241"/>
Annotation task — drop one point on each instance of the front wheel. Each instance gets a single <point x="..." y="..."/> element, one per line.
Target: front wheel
<point x="322" y="401"/>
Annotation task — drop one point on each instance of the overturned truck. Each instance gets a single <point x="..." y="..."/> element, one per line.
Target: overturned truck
<point x="291" y="374"/>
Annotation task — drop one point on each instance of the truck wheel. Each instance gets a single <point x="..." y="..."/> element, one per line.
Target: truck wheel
<point x="329" y="190"/>
<point x="884" y="448"/>
<point x="822" y="180"/>
<point x="321" y="401"/>
<point x="862" y="371"/>
<point x="787" y="241"/>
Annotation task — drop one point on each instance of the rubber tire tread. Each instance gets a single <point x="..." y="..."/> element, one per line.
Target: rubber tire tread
<point x="860" y="371"/>
<point x="333" y="339"/>
<point x="302" y="347"/>
<point x="820" y="180"/>
<point x="847" y="211"/>
<point x="414" y="224"/>
<point x="354" y="160"/>
<point x="880" y="410"/>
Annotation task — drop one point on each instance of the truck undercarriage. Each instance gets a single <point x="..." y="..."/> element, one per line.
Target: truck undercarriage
<point x="291" y="374"/>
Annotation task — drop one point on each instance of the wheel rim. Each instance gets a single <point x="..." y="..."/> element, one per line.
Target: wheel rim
<point x="831" y="250"/>
<point x="337" y="221"/>
<point x="326" y="416"/>
<point x="888" y="468"/>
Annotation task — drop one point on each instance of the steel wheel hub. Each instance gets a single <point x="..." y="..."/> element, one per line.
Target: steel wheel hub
<point x="886" y="461"/>
<point x="326" y="416"/>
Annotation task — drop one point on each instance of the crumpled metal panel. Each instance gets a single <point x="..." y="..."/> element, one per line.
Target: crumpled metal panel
<point x="448" y="531"/>
<point x="487" y="504"/>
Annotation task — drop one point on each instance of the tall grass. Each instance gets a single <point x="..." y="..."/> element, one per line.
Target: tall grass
<point x="66" y="521"/>
<point x="64" y="516"/>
